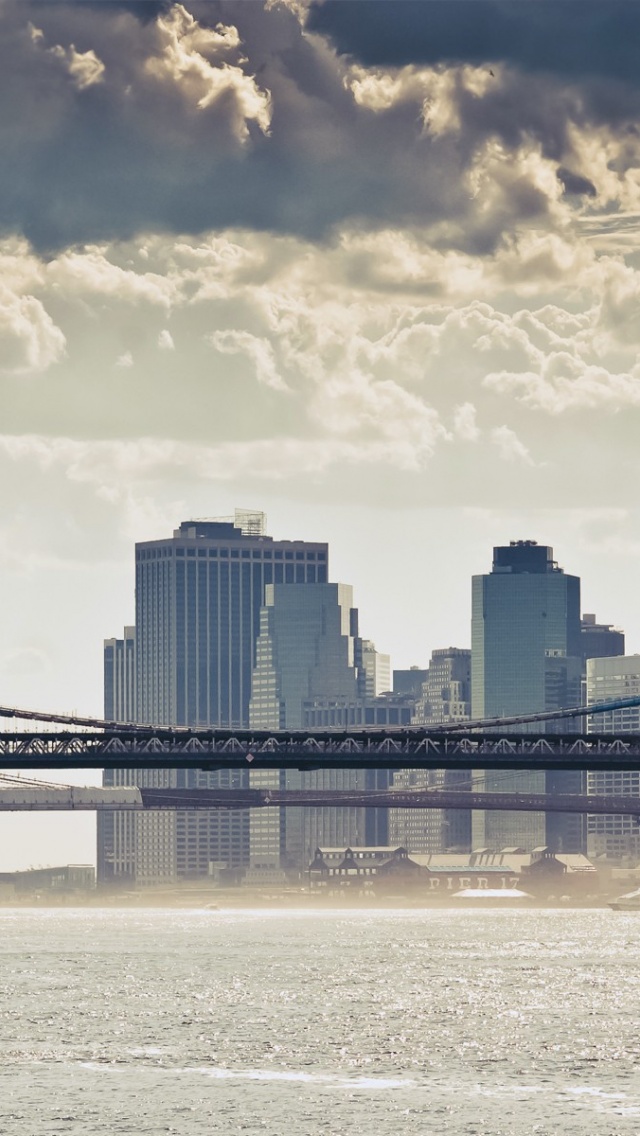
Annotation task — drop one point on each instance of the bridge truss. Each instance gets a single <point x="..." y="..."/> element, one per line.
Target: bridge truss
<point x="394" y="749"/>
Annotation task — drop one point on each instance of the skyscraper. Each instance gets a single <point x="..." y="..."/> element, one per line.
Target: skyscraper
<point x="377" y="670"/>
<point x="599" y="640"/>
<point x="117" y="831"/>
<point x="608" y="679"/>
<point x="198" y="600"/>
<point x="308" y="648"/>
<point x="445" y="697"/>
<point x="526" y="658"/>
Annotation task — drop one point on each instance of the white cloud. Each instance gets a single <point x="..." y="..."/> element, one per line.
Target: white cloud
<point x="29" y="339"/>
<point x="464" y="422"/>
<point x="125" y="360"/>
<point x="116" y="465"/>
<point x="565" y="383"/>
<point x="83" y="67"/>
<point x="165" y="340"/>
<point x="258" y="351"/>
<point x="191" y="61"/>
<point x="77" y="273"/>
<point x="509" y="445"/>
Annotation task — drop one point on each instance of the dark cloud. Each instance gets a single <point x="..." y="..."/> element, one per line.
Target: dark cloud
<point x="574" y="183"/>
<point x="575" y="38"/>
<point x="143" y="10"/>
<point x="107" y="131"/>
<point x="129" y="152"/>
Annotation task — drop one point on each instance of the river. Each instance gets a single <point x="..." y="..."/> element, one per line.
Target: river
<point x="309" y="1023"/>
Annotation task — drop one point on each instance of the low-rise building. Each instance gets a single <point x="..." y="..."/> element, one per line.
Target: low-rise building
<point x="394" y="869"/>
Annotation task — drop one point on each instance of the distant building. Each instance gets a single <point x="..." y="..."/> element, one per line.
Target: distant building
<point x="445" y="697"/>
<point x="308" y="649"/>
<point x="526" y="657"/>
<point x="388" y="710"/>
<point x="120" y="701"/>
<point x="69" y="879"/>
<point x="409" y="681"/>
<point x="614" y="837"/>
<point x="198" y="599"/>
<point x="394" y="868"/>
<point x="343" y="713"/>
<point x="377" y="670"/>
<point x="117" y="831"/>
<point x="599" y="640"/>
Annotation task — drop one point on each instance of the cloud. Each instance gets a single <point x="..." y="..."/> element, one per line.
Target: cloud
<point x="91" y="271"/>
<point x="190" y="60"/>
<point x="598" y="39"/>
<point x="29" y="339"/>
<point x="165" y="340"/>
<point x="83" y="67"/>
<point x="125" y="360"/>
<point x="464" y="422"/>
<point x="565" y="383"/>
<point x="114" y="464"/>
<point x="509" y="445"/>
<point x="204" y="117"/>
<point x="259" y="352"/>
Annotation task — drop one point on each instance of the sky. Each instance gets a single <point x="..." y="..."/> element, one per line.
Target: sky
<point x="371" y="267"/>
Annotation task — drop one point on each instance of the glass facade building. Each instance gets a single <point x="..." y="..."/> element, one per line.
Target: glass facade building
<point x="117" y="831"/>
<point x="308" y="649"/>
<point x="614" y="837"/>
<point x="526" y="657"/>
<point x="198" y="599"/>
<point x="600" y="640"/>
<point x="444" y="697"/>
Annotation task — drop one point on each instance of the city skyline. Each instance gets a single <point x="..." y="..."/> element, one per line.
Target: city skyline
<point x="369" y="267"/>
<point x="78" y="832"/>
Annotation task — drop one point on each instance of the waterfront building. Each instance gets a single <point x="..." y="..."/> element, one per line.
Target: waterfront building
<point x="308" y="649"/>
<point x="445" y="697"/>
<point x="614" y="837"/>
<point x="526" y="657"/>
<point x="198" y="599"/>
<point x="437" y="877"/>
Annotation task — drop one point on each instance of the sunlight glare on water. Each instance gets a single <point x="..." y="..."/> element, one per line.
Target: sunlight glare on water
<point x="473" y="1023"/>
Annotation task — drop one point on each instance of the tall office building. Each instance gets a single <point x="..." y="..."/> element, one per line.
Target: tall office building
<point x="198" y="600"/>
<point x="614" y="837"/>
<point x="120" y="702"/>
<point x="445" y="697"/>
<point x="117" y="831"/>
<point x="526" y="658"/>
<point x="410" y="681"/>
<point x="308" y="648"/>
<point x="387" y="710"/>
<point x="377" y="670"/>
<point x="599" y="640"/>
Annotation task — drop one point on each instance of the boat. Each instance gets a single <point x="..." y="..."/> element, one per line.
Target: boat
<point x="628" y="902"/>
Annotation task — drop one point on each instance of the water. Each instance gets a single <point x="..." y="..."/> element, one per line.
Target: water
<point x="307" y="1023"/>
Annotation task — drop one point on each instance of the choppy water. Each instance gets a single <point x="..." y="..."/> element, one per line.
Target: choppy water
<point x="320" y="1024"/>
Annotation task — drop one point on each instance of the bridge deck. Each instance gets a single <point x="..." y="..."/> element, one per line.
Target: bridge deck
<point x="314" y="750"/>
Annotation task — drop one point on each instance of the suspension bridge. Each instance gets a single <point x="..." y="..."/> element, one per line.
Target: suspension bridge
<point x="22" y="795"/>
<point x="480" y="744"/>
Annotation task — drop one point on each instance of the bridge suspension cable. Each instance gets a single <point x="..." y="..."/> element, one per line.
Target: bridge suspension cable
<point x="462" y="726"/>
